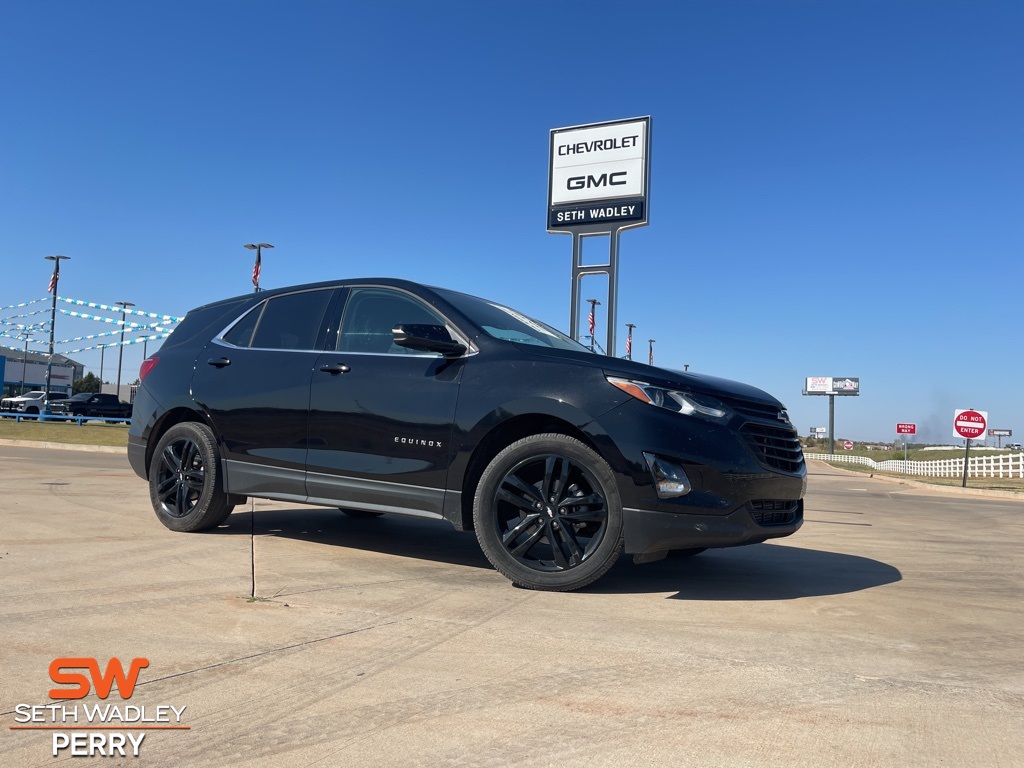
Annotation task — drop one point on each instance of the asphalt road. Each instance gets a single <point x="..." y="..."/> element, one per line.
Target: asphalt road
<point x="887" y="632"/>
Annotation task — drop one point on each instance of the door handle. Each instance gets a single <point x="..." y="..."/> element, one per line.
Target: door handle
<point x="218" y="362"/>
<point x="335" y="368"/>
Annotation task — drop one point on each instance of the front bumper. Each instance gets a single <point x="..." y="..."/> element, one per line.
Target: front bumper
<point x="648" y="532"/>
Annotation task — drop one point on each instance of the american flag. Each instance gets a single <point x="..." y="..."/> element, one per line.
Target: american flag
<point x="54" y="277"/>
<point x="590" y="320"/>
<point x="629" y="345"/>
<point x="256" y="270"/>
<point x="650" y="357"/>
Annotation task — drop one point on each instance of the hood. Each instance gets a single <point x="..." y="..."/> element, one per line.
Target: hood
<point x="683" y="380"/>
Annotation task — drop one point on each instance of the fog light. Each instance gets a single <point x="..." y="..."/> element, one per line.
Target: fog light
<point x="670" y="480"/>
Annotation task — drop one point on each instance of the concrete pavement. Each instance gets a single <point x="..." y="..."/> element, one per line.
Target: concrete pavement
<point x="886" y="632"/>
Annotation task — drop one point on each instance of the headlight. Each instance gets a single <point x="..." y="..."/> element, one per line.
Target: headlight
<point x="685" y="403"/>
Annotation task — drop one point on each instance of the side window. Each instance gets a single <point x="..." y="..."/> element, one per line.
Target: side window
<point x="241" y="334"/>
<point x="370" y="315"/>
<point x="291" y="321"/>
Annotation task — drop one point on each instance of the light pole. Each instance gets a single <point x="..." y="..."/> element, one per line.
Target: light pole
<point x="120" y="348"/>
<point x="591" y="321"/>
<point x="24" y="361"/>
<point x="629" y="341"/>
<point x="54" y="279"/>
<point x="258" y="266"/>
<point x="650" y="351"/>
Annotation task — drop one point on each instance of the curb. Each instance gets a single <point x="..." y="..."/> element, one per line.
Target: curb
<point x="64" y="446"/>
<point x="985" y="492"/>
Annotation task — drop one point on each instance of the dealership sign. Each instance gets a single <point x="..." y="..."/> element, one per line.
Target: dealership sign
<point x="1000" y="433"/>
<point x="831" y="385"/>
<point x="598" y="176"/>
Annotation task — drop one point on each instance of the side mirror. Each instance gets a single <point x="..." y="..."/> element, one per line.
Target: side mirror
<point x="427" y="338"/>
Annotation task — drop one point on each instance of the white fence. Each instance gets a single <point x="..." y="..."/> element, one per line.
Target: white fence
<point x="1002" y="465"/>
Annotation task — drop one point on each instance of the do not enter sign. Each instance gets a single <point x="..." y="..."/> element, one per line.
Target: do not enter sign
<point x="969" y="424"/>
<point x="848" y="446"/>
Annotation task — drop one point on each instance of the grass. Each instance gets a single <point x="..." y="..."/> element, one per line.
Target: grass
<point x="95" y="433"/>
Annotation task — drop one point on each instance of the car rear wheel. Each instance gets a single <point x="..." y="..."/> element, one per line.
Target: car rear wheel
<point x="185" y="484"/>
<point x="547" y="513"/>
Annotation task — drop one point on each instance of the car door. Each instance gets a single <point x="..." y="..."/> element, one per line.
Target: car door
<point x="381" y="415"/>
<point x="253" y="383"/>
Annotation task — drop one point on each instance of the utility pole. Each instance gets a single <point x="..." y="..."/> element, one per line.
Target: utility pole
<point x="54" y="279"/>
<point x="24" y="361"/>
<point x="650" y="351"/>
<point x="124" y="305"/>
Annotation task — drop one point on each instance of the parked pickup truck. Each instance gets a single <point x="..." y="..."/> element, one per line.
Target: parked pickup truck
<point x="30" y="402"/>
<point x="91" y="404"/>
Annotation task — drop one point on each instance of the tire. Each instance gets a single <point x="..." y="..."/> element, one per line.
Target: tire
<point x="361" y="513"/>
<point x="32" y="410"/>
<point x="547" y="514"/>
<point x="185" y="484"/>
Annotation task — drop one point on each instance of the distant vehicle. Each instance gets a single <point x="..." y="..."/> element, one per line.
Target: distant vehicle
<point x="30" y="402"/>
<point x="92" y="404"/>
<point x="1015" y="446"/>
<point x="385" y="396"/>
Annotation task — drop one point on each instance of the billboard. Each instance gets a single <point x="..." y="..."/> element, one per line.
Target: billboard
<point x="831" y="385"/>
<point x="598" y="176"/>
<point x="1000" y="433"/>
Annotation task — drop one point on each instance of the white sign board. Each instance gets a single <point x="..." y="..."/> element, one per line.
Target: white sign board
<point x="598" y="174"/>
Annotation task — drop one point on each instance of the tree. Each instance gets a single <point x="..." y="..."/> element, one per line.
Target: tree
<point x="88" y="383"/>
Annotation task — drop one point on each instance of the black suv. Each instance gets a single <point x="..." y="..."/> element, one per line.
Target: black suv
<point x="382" y="395"/>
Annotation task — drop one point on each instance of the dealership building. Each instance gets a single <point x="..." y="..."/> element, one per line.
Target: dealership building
<point x="27" y="371"/>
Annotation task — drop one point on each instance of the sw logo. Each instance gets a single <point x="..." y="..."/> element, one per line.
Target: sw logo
<point x="83" y="729"/>
<point x="103" y="682"/>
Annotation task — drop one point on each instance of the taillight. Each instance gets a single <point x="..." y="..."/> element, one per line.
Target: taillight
<point x="147" y="365"/>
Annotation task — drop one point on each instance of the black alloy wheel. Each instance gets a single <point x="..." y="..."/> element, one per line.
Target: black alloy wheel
<point x="185" y="485"/>
<point x="547" y="513"/>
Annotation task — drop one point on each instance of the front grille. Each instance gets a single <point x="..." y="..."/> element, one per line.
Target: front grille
<point x="775" y="511"/>
<point x="755" y="409"/>
<point x="776" y="447"/>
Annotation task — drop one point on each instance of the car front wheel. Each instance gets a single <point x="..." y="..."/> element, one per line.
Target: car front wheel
<point x="185" y="484"/>
<point x="547" y="513"/>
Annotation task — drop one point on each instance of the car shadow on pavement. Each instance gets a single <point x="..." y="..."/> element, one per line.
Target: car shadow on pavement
<point x="398" y="535"/>
<point x="755" y="572"/>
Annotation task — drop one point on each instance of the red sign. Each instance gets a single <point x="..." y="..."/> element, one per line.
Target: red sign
<point x="969" y="424"/>
<point x="848" y="445"/>
<point x="906" y="429"/>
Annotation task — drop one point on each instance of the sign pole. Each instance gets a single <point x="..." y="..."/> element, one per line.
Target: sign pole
<point x="967" y="455"/>
<point x="832" y="425"/>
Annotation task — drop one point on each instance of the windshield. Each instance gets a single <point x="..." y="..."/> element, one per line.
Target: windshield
<point x="508" y="324"/>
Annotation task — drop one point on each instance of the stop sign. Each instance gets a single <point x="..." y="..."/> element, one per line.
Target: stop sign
<point x="969" y="424"/>
<point x="848" y="445"/>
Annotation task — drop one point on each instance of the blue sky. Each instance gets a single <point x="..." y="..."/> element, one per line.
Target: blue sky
<point x="836" y="187"/>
